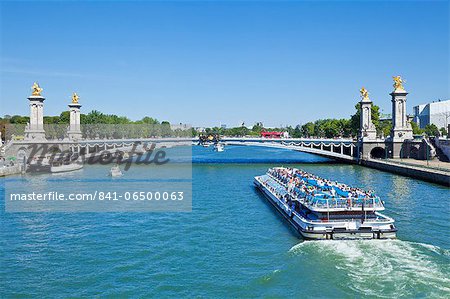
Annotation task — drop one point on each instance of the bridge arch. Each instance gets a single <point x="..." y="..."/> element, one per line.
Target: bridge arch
<point x="378" y="152"/>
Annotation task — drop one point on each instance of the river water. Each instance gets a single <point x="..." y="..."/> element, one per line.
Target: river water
<point x="232" y="244"/>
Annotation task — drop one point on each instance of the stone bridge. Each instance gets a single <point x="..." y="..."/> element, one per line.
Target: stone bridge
<point x="400" y="144"/>
<point x="345" y="150"/>
<point x="338" y="149"/>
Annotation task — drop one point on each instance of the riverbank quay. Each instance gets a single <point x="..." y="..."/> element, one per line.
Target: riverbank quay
<point x="414" y="168"/>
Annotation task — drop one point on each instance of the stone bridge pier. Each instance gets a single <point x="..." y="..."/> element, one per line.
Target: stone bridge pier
<point x="381" y="149"/>
<point x="400" y="143"/>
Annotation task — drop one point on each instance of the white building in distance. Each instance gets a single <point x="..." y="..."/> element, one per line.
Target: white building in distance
<point x="437" y="113"/>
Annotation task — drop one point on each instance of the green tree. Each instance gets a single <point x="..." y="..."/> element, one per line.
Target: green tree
<point x="243" y="131"/>
<point x="355" y="119"/>
<point x="166" y="131"/>
<point x="149" y="120"/>
<point x="346" y="127"/>
<point x="297" y="132"/>
<point x="331" y="128"/>
<point x="431" y="130"/>
<point x="94" y="117"/>
<point x="375" y="111"/>
<point x="319" y="129"/>
<point x="3" y="124"/>
<point x="238" y="131"/>
<point x="308" y="129"/>
<point x="51" y="119"/>
<point x="64" y="117"/>
<point x="257" y="128"/>
<point x="416" y="129"/>
<point x="288" y="129"/>
<point x="385" y="127"/>
<point x="443" y="131"/>
<point x="17" y="119"/>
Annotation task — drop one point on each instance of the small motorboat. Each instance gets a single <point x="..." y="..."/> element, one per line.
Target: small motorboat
<point x="206" y="144"/>
<point x="115" y="171"/>
<point x="219" y="147"/>
<point x="65" y="167"/>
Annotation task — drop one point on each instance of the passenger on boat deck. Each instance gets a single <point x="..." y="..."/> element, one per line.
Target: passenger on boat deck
<point x="296" y="178"/>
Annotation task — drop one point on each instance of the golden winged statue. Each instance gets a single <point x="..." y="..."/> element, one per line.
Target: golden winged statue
<point x="75" y="98"/>
<point x="364" y="93"/>
<point x="36" y="89"/>
<point x="398" y="83"/>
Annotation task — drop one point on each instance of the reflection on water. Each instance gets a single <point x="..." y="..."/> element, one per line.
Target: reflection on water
<point x="401" y="196"/>
<point x="401" y="187"/>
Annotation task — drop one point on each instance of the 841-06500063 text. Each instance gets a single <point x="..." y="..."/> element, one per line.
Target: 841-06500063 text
<point x="99" y="195"/>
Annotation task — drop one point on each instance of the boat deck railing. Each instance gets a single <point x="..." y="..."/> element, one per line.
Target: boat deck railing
<point x="379" y="218"/>
<point x="321" y="202"/>
<point x="280" y="191"/>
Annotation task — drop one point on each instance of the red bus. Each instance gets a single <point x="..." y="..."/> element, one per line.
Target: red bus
<point x="266" y="134"/>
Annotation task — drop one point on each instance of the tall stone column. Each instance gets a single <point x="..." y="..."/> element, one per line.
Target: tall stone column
<point x="401" y="128"/>
<point x="74" y="131"/>
<point x="35" y="128"/>
<point x="367" y="130"/>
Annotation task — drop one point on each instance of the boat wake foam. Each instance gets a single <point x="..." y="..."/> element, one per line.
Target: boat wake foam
<point x="385" y="268"/>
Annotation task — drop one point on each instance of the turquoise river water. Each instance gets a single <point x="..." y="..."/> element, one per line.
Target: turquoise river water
<point x="232" y="244"/>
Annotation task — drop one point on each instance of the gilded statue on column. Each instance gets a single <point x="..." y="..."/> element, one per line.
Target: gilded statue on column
<point x="364" y="94"/>
<point x="36" y="89"/>
<point x="398" y="83"/>
<point x="75" y="98"/>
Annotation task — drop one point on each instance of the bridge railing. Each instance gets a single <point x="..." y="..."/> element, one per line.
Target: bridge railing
<point x="324" y="147"/>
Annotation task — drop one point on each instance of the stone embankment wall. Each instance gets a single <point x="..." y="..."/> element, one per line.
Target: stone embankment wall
<point x="426" y="174"/>
<point x="10" y="170"/>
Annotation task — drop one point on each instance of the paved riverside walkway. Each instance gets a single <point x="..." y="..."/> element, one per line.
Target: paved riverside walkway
<point x="416" y="169"/>
<point x="433" y="164"/>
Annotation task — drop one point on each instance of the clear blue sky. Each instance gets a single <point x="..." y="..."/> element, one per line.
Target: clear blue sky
<point x="207" y="63"/>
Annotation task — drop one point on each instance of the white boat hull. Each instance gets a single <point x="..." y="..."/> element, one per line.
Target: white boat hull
<point x="65" y="168"/>
<point x="115" y="172"/>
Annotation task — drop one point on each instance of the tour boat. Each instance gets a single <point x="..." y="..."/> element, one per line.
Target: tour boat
<point x="65" y="167"/>
<point x="218" y="147"/>
<point x="115" y="171"/>
<point x="321" y="209"/>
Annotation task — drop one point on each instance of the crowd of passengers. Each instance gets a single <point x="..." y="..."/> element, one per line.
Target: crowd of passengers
<point x="295" y="179"/>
